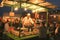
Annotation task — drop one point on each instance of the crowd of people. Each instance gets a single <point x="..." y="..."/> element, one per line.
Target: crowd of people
<point x="28" y="26"/>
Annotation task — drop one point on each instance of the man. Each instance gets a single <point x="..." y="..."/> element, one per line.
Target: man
<point x="57" y="32"/>
<point x="1" y="27"/>
<point x="28" y="22"/>
<point x="42" y="31"/>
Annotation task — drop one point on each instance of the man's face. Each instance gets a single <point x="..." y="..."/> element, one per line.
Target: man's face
<point x="28" y="16"/>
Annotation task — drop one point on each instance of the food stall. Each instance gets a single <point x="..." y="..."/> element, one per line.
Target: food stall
<point x="22" y="33"/>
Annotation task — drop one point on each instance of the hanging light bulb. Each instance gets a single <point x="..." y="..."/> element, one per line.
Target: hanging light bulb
<point x="16" y="8"/>
<point x="33" y="11"/>
<point x="25" y="9"/>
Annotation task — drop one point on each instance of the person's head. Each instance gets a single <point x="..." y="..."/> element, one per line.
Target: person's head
<point x="51" y="25"/>
<point x="16" y="21"/>
<point x="57" y="25"/>
<point x="41" y="24"/>
<point x="28" y="15"/>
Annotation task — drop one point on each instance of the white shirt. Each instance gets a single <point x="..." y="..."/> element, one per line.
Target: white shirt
<point x="27" y="21"/>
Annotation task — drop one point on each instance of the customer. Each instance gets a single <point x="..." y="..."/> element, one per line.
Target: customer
<point x="1" y="27"/>
<point x="7" y="26"/>
<point x="42" y="32"/>
<point x="57" y="32"/>
<point x="51" y="31"/>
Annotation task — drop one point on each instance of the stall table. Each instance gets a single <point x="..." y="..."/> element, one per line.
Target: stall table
<point x="20" y="38"/>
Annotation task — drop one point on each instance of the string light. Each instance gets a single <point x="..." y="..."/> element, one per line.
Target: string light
<point x="33" y="11"/>
<point x="16" y="8"/>
<point x="25" y="9"/>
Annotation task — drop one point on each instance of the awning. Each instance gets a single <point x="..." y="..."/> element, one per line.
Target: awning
<point x="31" y="4"/>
